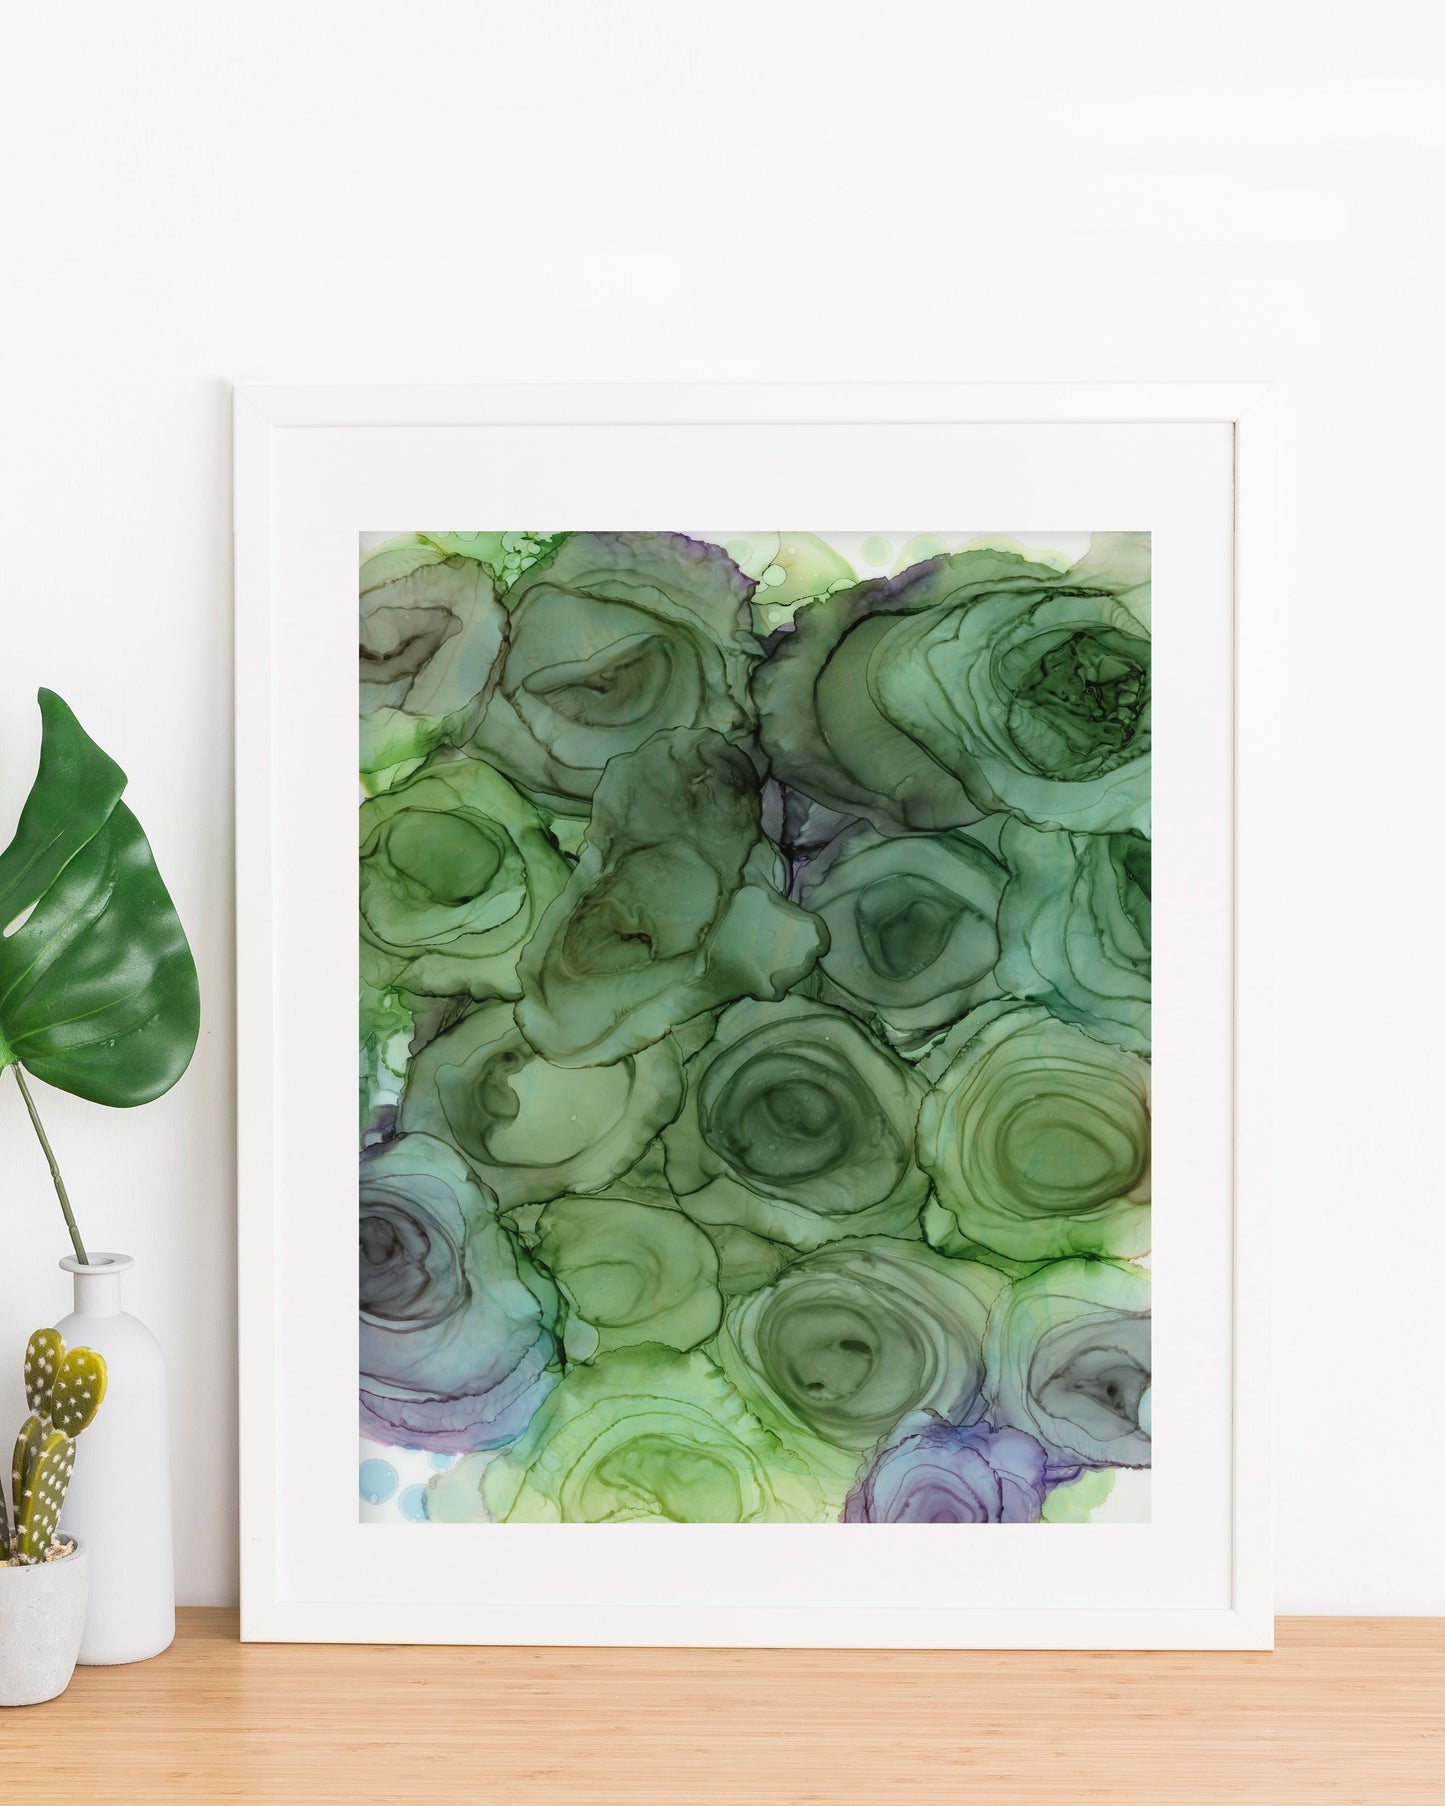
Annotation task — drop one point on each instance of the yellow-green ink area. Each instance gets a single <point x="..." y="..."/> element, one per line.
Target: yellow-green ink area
<point x="755" y="1027"/>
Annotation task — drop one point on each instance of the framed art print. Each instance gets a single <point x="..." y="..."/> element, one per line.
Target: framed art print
<point x="784" y="962"/>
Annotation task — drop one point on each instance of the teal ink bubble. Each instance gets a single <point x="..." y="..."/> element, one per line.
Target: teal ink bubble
<point x="377" y="1480"/>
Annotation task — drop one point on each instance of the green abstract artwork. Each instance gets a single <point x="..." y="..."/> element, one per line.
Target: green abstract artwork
<point x="754" y="1027"/>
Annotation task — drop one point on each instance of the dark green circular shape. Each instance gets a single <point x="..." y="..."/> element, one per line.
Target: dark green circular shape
<point x="848" y="1369"/>
<point x="834" y="1354"/>
<point x="449" y="857"/>
<point x="783" y="1119"/>
<point x="1057" y="1152"/>
<point x="1088" y="688"/>
<point x="905" y="921"/>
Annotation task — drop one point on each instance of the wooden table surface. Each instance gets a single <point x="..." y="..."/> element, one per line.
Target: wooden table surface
<point x="1346" y="1709"/>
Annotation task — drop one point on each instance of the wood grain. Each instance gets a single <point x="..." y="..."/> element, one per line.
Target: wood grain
<point x="1346" y="1709"/>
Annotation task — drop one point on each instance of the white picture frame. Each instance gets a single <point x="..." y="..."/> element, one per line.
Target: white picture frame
<point x="314" y="466"/>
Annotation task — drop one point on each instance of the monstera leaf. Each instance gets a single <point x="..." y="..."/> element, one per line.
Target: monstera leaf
<point x="98" y="990"/>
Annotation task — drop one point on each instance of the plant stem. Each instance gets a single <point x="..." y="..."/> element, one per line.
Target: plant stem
<point x="60" y="1191"/>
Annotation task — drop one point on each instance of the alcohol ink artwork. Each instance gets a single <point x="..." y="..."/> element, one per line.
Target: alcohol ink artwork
<point x="755" y="1044"/>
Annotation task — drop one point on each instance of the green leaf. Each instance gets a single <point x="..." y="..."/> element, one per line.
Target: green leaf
<point x="98" y="992"/>
<point x="75" y="790"/>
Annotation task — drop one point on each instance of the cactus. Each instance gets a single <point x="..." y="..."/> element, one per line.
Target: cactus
<point x="43" y="1354"/>
<point x="64" y="1391"/>
<point x="27" y="1447"/>
<point x="79" y="1388"/>
<point x="38" y="1508"/>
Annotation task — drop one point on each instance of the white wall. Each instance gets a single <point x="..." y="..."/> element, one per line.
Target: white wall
<point x="484" y="190"/>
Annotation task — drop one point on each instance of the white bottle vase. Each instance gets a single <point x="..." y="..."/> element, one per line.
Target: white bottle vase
<point x="119" y="1503"/>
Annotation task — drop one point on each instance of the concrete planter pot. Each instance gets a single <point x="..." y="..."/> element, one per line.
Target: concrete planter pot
<point x="42" y="1618"/>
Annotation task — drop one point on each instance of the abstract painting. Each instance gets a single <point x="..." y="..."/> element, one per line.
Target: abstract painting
<point x="755" y="1027"/>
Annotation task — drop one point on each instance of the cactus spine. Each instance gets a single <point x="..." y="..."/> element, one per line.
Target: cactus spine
<point x="63" y="1391"/>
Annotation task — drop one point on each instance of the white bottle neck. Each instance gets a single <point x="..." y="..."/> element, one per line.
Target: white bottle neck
<point x="97" y="1284"/>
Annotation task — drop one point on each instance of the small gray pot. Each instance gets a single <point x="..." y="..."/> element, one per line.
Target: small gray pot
<point x="42" y="1617"/>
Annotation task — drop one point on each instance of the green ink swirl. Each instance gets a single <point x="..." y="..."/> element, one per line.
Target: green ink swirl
<point x="456" y="870"/>
<point x="647" y="1435"/>
<point x="611" y="638"/>
<point x="797" y="1125"/>
<point x="1069" y="1360"/>
<point x="1037" y="1136"/>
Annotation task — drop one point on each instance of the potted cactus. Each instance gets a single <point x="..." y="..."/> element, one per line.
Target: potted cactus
<point x="98" y="998"/>
<point x="44" y="1574"/>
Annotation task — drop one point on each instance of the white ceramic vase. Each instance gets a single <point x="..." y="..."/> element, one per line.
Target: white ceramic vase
<point x="119" y="1503"/>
